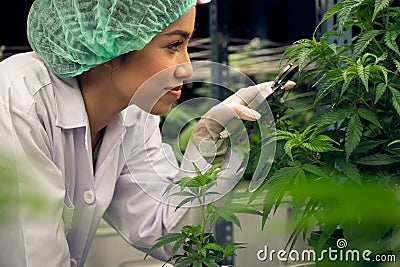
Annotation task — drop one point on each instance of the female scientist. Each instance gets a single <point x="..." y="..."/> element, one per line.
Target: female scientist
<point x="63" y="119"/>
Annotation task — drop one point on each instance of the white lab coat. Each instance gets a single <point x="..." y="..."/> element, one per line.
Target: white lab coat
<point x="44" y="131"/>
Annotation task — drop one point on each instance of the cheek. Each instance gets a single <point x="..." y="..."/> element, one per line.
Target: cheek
<point x="143" y="83"/>
<point x="143" y="67"/>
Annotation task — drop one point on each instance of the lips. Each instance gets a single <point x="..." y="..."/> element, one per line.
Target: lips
<point x="174" y="91"/>
<point x="174" y="88"/>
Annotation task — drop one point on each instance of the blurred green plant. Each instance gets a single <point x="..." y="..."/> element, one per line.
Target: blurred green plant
<point x="338" y="144"/>
<point x="11" y="199"/>
<point x="195" y="245"/>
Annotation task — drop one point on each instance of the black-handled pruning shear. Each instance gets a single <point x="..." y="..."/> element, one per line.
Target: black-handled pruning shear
<point x="278" y="85"/>
<point x="277" y="88"/>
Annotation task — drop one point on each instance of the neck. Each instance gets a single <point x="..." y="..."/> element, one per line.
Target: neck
<point x="101" y="104"/>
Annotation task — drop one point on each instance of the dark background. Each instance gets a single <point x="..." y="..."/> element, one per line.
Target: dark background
<point x="276" y="20"/>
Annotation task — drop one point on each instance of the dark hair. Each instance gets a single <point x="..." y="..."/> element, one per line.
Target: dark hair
<point x="123" y="58"/>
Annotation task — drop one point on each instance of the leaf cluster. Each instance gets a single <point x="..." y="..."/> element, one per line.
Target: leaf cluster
<point x="194" y="245"/>
<point x="189" y="250"/>
<point x="351" y="140"/>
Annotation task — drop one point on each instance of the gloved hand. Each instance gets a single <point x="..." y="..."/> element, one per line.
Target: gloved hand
<point x="206" y="134"/>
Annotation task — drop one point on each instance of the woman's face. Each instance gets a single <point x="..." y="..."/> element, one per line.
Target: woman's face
<point x="152" y="77"/>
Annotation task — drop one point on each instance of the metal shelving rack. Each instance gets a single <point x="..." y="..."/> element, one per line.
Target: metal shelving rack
<point x="7" y="50"/>
<point x="321" y="6"/>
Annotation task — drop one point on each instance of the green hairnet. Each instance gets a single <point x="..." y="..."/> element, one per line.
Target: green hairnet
<point x="72" y="36"/>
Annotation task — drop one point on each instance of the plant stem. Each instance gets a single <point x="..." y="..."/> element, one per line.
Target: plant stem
<point x="203" y="216"/>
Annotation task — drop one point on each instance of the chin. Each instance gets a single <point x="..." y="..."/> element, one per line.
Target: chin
<point x="160" y="109"/>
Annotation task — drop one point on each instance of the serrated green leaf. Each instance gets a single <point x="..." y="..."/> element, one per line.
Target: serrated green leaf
<point x="215" y="169"/>
<point x="299" y="193"/>
<point x="350" y="170"/>
<point x="381" y="69"/>
<point x="201" y="180"/>
<point x="327" y="85"/>
<point x="169" y="187"/>
<point x="210" y="263"/>
<point x="364" y="39"/>
<point x="194" y="190"/>
<point x="185" y="182"/>
<point x="178" y="244"/>
<point x="380" y="5"/>
<point x="191" y="230"/>
<point x="331" y="11"/>
<point x="214" y="246"/>
<point x="395" y="99"/>
<point x="285" y="133"/>
<point x="390" y="38"/>
<point x="323" y="137"/>
<point x="383" y="57"/>
<point x="183" y="202"/>
<point x="230" y="217"/>
<point x="367" y="146"/>
<point x="331" y="116"/>
<point x="347" y="10"/>
<point x="162" y="241"/>
<point x="380" y="90"/>
<point x="279" y="181"/>
<point x="299" y="51"/>
<point x="370" y="116"/>
<point x="240" y="208"/>
<point x="301" y="225"/>
<point x="183" y="194"/>
<point x="378" y="159"/>
<point x="363" y="74"/>
<point x="353" y="134"/>
<point x="289" y="145"/>
<point x="307" y="130"/>
<point x="397" y="65"/>
<point x="348" y="75"/>
<point x="314" y="170"/>
<point x="213" y="217"/>
<point x="316" y="145"/>
<point x="198" y="172"/>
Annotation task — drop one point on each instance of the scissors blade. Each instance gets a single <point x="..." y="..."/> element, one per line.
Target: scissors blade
<point x="279" y="78"/>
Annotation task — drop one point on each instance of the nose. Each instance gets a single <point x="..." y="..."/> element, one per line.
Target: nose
<point x="185" y="69"/>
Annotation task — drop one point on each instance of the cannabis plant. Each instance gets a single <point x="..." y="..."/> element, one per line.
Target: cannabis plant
<point x="195" y="245"/>
<point x="338" y="140"/>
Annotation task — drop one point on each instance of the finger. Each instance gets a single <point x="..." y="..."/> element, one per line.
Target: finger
<point x="246" y="113"/>
<point x="246" y="95"/>
<point x="264" y="85"/>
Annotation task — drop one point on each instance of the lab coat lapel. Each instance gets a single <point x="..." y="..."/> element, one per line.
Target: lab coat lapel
<point x="108" y="159"/>
<point x="71" y="112"/>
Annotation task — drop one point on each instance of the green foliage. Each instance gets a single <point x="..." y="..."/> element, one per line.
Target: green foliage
<point x="13" y="198"/>
<point x="193" y="245"/>
<point x="341" y="167"/>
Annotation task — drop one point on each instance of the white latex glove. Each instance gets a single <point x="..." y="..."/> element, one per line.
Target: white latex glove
<point x="206" y="134"/>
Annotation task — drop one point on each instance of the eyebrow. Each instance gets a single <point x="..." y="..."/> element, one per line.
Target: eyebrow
<point x="184" y="34"/>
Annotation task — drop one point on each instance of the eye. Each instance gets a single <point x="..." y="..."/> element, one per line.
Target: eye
<point x="175" y="45"/>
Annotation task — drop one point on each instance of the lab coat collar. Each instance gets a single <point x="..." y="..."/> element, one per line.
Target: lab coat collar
<point x="71" y="112"/>
<point x="131" y="115"/>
